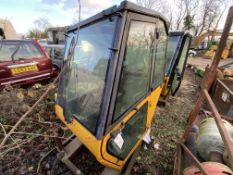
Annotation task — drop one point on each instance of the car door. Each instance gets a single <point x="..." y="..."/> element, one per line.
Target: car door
<point x="138" y="89"/>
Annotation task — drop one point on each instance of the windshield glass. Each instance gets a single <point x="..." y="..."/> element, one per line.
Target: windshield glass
<point x="84" y="80"/>
<point x="26" y="50"/>
<point x="171" y="51"/>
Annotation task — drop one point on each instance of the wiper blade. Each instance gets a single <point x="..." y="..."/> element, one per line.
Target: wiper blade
<point x="16" y="50"/>
<point x="21" y="58"/>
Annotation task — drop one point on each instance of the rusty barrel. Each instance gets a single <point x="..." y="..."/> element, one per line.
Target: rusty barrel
<point x="213" y="168"/>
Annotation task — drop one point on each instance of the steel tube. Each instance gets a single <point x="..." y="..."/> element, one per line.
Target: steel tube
<point x="198" y="164"/>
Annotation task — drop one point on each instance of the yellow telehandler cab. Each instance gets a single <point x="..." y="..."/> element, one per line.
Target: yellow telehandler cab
<point x="177" y="54"/>
<point x="112" y="82"/>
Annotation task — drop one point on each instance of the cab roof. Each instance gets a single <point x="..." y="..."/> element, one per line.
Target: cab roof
<point x="124" y="6"/>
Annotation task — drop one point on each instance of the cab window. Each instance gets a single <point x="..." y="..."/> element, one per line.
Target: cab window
<point x="172" y="45"/>
<point x="131" y="133"/>
<point x="135" y="76"/>
<point x="85" y="78"/>
<point x="160" y="54"/>
<point x="180" y="66"/>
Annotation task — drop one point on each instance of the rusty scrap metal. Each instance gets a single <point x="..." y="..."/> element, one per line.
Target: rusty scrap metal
<point x="210" y="73"/>
<point x="71" y="148"/>
<point x="222" y="95"/>
<point x="224" y="134"/>
<point x="225" y="86"/>
<point x="178" y="165"/>
<point x="197" y="162"/>
<point x="66" y="153"/>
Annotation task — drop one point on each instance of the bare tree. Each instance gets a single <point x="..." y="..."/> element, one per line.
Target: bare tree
<point x="183" y="9"/>
<point x="179" y="14"/>
<point x="40" y="29"/>
<point x="42" y="23"/>
<point x="202" y="15"/>
<point x="150" y="4"/>
<point x="191" y="6"/>
<point x="209" y="15"/>
<point x="161" y="6"/>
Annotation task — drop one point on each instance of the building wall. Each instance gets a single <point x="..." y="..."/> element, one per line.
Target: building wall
<point x="8" y="28"/>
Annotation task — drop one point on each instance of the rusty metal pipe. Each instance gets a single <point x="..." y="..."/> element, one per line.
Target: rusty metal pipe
<point x="197" y="162"/>
<point x="225" y="86"/>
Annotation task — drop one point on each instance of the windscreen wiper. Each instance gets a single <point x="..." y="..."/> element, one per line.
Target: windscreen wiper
<point x="16" y="50"/>
<point x="21" y="58"/>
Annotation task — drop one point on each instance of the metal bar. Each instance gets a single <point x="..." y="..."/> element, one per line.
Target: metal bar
<point x="178" y="162"/>
<point x="225" y="86"/>
<point x="71" y="166"/>
<point x="224" y="134"/>
<point x="110" y="171"/>
<point x="206" y="83"/>
<point x="198" y="164"/>
<point x="229" y="119"/>
<point x="210" y="73"/>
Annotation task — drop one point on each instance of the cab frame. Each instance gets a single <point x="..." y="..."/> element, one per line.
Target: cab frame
<point x="96" y="142"/>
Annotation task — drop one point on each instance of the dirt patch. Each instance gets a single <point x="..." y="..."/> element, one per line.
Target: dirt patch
<point x="33" y="139"/>
<point x="169" y="123"/>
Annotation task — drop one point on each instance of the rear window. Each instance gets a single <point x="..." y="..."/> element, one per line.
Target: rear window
<point x="19" y="50"/>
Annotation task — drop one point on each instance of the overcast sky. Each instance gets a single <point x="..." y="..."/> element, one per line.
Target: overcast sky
<point x="22" y="13"/>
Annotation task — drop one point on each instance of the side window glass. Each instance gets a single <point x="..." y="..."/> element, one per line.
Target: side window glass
<point x="173" y="42"/>
<point x="160" y="54"/>
<point x="58" y="53"/>
<point x="131" y="133"/>
<point x="85" y="79"/>
<point x="70" y="42"/>
<point x="135" y="76"/>
<point x="179" y="70"/>
<point x="49" y="51"/>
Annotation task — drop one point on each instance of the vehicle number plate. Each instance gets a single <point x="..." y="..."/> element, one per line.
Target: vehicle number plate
<point x="19" y="70"/>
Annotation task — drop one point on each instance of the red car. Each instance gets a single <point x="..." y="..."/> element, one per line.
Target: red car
<point x="24" y="62"/>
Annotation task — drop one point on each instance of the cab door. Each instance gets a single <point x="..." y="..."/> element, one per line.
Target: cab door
<point x="137" y="87"/>
<point x="178" y="72"/>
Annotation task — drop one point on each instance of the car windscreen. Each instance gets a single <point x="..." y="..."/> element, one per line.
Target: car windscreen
<point x="19" y="49"/>
<point x="85" y="78"/>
